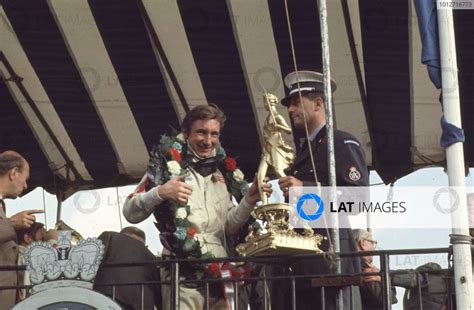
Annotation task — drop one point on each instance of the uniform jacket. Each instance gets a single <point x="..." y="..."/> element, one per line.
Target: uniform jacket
<point x="8" y="257"/>
<point x="350" y="159"/>
<point x="351" y="170"/>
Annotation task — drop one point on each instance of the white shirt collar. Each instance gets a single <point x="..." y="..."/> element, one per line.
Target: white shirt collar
<point x="313" y="135"/>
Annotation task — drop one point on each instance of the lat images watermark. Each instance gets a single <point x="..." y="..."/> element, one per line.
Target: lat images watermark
<point x="414" y="260"/>
<point x="87" y="202"/>
<point x="403" y="207"/>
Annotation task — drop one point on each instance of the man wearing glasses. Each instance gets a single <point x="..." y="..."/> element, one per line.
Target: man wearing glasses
<point x="371" y="287"/>
<point x="365" y="242"/>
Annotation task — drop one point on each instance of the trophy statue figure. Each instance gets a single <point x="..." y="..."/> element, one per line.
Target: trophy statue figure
<point x="276" y="236"/>
<point x="276" y="153"/>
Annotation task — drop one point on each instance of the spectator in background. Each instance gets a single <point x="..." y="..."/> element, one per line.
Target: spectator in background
<point x="433" y="289"/>
<point x="371" y="287"/>
<point x="27" y="236"/>
<point x="14" y="173"/>
<point x="128" y="246"/>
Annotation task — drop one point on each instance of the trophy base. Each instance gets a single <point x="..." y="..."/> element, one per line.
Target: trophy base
<point x="280" y="238"/>
<point x="278" y="243"/>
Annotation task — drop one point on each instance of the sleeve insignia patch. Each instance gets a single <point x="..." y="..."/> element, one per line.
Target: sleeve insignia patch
<point x="354" y="174"/>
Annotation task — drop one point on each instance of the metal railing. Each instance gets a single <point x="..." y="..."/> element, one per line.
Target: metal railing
<point x="320" y="282"/>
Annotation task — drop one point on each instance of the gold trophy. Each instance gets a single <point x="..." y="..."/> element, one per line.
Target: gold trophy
<point x="277" y="235"/>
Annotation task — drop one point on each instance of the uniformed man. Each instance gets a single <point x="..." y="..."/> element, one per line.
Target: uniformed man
<point x="351" y="170"/>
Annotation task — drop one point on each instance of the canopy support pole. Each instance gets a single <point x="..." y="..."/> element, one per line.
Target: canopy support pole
<point x="330" y="132"/>
<point x="59" y="197"/>
<point x="455" y="162"/>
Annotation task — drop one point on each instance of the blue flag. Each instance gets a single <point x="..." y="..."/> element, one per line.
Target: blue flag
<point x="430" y="56"/>
<point x="428" y="24"/>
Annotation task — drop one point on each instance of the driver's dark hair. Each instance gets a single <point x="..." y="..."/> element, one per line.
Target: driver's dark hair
<point x="203" y="112"/>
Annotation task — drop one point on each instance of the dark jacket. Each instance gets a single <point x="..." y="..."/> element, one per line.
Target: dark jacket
<point x="351" y="170"/>
<point x="120" y="248"/>
<point x="434" y="289"/>
<point x="349" y="154"/>
<point x="371" y="293"/>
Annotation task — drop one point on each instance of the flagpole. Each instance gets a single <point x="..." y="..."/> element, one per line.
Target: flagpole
<point x="455" y="162"/>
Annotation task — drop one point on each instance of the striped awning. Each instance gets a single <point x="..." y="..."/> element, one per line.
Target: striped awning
<point x="89" y="86"/>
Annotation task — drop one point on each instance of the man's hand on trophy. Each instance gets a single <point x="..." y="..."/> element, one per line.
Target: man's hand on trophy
<point x="286" y="182"/>
<point x="253" y="194"/>
<point x="175" y="190"/>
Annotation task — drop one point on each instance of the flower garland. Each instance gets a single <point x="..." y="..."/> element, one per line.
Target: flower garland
<point x="173" y="149"/>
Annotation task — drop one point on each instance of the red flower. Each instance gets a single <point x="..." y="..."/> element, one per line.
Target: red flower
<point x="230" y="164"/>
<point x="175" y="154"/>
<point x="191" y="232"/>
<point x="214" y="268"/>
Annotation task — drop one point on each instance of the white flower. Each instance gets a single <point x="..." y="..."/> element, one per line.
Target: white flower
<point x="173" y="167"/>
<point x="181" y="213"/>
<point x="238" y="175"/>
<point x="180" y="137"/>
